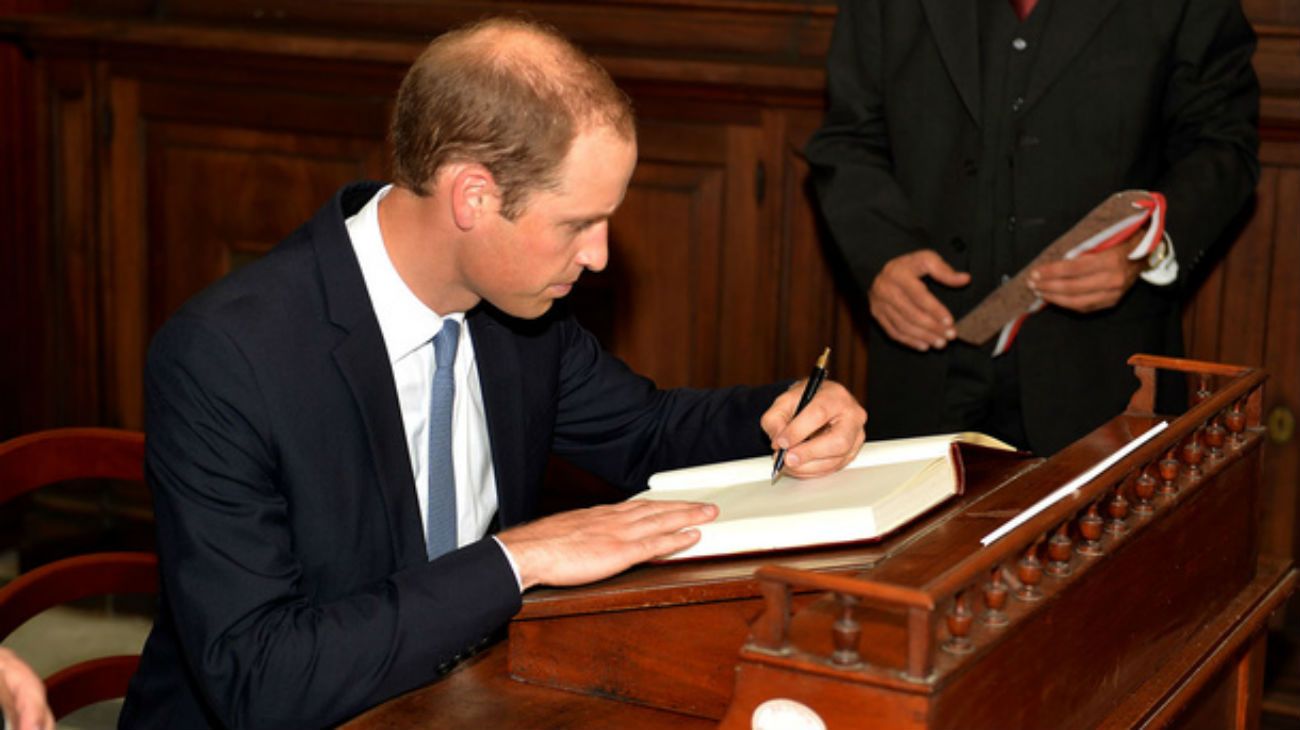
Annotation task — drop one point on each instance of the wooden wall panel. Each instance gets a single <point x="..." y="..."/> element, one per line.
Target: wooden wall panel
<point x="192" y="199"/>
<point x="747" y="319"/>
<point x="75" y="340"/>
<point x="1247" y="311"/>
<point x="821" y="307"/>
<point x="1282" y="358"/>
<point x="1285" y="12"/>
<point x="657" y="302"/>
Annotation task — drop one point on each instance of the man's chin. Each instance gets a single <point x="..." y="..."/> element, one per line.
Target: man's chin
<point x="527" y="310"/>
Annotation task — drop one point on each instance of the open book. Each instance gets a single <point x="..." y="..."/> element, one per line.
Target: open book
<point x="887" y="485"/>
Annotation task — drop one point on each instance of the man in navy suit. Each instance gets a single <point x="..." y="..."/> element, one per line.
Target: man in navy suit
<point x="302" y="466"/>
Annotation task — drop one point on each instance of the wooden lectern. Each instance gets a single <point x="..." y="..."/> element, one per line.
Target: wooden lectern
<point x="1140" y="600"/>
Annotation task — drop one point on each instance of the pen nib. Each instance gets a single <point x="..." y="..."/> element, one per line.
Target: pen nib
<point x="776" y="474"/>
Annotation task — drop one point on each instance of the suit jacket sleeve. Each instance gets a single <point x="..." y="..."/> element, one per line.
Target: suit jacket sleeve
<point x="619" y="426"/>
<point x="870" y="217"/>
<point x="264" y="651"/>
<point x="1211" y="117"/>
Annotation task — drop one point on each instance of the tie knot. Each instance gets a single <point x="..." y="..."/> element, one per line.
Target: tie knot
<point x="445" y="342"/>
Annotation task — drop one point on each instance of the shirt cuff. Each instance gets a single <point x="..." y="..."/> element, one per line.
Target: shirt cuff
<point x="1162" y="265"/>
<point x="510" y="559"/>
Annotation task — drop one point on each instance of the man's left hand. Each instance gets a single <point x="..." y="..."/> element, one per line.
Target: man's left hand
<point x="826" y="434"/>
<point x="1088" y="283"/>
<point x="22" y="696"/>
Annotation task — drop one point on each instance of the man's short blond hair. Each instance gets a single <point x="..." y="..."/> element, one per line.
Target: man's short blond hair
<point x="507" y="93"/>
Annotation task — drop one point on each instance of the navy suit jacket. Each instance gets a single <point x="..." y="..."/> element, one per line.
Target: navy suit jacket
<point x="295" y="588"/>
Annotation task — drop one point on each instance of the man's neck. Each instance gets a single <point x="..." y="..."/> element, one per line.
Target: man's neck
<point x="422" y="246"/>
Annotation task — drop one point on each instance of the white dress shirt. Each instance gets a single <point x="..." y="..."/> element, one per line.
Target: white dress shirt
<point x="408" y="327"/>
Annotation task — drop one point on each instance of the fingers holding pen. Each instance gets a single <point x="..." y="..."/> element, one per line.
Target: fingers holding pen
<point x="821" y="438"/>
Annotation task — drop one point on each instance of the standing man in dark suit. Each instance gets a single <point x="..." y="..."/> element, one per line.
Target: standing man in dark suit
<point x="335" y="430"/>
<point x="963" y="137"/>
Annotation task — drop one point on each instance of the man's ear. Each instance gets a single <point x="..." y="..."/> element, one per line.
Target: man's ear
<point x="473" y="195"/>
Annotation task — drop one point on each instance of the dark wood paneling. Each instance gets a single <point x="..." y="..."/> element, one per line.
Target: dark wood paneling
<point x="665" y="246"/>
<point x="1273" y="11"/>
<point x="1247" y="311"/>
<point x="192" y="198"/>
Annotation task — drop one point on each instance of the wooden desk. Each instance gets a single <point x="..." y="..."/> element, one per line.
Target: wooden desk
<point x="1141" y="600"/>
<point x="480" y="694"/>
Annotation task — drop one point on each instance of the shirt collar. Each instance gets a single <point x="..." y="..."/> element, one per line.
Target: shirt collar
<point x="406" y="323"/>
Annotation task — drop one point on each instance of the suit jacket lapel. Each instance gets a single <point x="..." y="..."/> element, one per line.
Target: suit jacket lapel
<point x="361" y="358"/>
<point x="955" y="30"/>
<point x="501" y="378"/>
<point x="1069" y="26"/>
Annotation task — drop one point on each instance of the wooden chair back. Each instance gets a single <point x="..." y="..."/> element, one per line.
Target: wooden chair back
<point x="47" y="457"/>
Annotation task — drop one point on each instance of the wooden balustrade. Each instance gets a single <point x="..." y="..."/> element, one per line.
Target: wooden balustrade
<point x="1048" y="552"/>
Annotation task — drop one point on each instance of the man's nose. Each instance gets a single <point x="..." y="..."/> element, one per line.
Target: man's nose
<point x="594" y="254"/>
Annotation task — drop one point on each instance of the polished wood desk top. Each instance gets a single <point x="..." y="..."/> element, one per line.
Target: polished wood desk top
<point x="480" y="694"/>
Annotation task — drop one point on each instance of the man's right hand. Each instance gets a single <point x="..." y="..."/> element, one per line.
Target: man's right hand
<point x="906" y="309"/>
<point x="571" y="548"/>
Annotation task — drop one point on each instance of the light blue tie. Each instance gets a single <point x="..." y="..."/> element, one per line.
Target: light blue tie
<point x="440" y="529"/>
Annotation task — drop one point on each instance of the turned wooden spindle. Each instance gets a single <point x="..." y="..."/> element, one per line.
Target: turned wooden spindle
<point x="960" y="619"/>
<point x="1215" y="437"/>
<point x="1144" y="488"/>
<point x="1235" y="421"/>
<point x="1090" y="529"/>
<point x="1117" y="508"/>
<point x="1169" y="468"/>
<point x="1030" y="572"/>
<point x="846" y="633"/>
<point x="1059" y="552"/>
<point x="1192" y="454"/>
<point x="995" y="599"/>
<point x="1203" y="391"/>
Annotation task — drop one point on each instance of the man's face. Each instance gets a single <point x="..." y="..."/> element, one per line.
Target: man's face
<point x="523" y="266"/>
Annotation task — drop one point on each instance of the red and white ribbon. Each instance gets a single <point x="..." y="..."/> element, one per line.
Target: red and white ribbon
<point x="1150" y="213"/>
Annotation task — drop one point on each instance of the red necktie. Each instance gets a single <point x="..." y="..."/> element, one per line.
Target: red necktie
<point x="1023" y="7"/>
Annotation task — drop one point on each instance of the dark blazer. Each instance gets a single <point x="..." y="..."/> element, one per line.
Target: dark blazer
<point x="1149" y="94"/>
<point x="296" y="592"/>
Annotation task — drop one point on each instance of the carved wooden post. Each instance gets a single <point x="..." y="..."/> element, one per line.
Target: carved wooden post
<point x="1144" y="488"/>
<point x="1193" y="454"/>
<point x="1236" y="423"/>
<point x="995" y="598"/>
<point x="1203" y="391"/>
<point x="959" y="625"/>
<point x="1117" y="508"/>
<point x="770" y="628"/>
<point x="1215" y="437"/>
<point x="1030" y="572"/>
<point x="847" y="633"/>
<point x="1090" y="525"/>
<point x="1168" y="467"/>
<point x="1059" y="551"/>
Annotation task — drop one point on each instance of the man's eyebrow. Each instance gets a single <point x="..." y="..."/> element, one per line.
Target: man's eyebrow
<point x="587" y="220"/>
